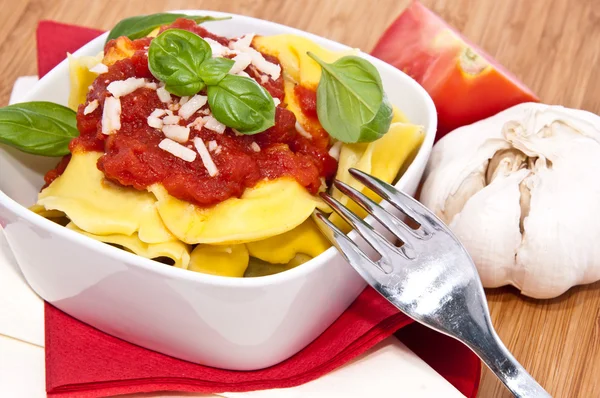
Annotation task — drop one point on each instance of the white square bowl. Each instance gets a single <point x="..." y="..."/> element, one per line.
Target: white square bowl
<point x="232" y="323"/>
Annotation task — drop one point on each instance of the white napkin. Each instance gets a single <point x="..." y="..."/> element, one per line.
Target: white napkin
<point x="388" y="368"/>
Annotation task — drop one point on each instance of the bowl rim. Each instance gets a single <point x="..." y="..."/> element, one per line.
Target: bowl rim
<point x="217" y="280"/>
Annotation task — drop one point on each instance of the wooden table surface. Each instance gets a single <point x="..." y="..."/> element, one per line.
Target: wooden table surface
<point x="552" y="45"/>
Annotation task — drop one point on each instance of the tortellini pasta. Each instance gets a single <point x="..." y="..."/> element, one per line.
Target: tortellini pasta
<point x="265" y="231"/>
<point x="81" y="77"/>
<point x="101" y="207"/>
<point x="281" y="249"/>
<point x="262" y="211"/>
<point x="178" y="252"/>
<point x="224" y="260"/>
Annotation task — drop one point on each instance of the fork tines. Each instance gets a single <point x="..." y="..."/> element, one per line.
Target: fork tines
<point x="395" y="225"/>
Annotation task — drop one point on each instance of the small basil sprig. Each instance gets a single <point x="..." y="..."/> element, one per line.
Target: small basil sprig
<point x="183" y="61"/>
<point x="175" y="57"/>
<point x="213" y="70"/>
<point x="141" y="25"/>
<point x="241" y="103"/>
<point x="39" y="128"/>
<point x="351" y="104"/>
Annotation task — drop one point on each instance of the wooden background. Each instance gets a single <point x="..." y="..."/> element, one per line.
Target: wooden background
<point x="552" y="45"/>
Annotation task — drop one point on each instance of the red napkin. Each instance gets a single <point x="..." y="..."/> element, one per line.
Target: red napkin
<point x="82" y="361"/>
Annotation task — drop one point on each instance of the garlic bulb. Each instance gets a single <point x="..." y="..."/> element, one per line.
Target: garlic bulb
<point x="521" y="190"/>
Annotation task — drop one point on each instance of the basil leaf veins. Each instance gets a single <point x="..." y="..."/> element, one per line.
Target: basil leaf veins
<point x="213" y="70"/>
<point x="39" y="128"/>
<point x="351" y="104"/>
<point x="175" y="56"/>
<point x="241" y="103"/>
<point x="183" y="61"/>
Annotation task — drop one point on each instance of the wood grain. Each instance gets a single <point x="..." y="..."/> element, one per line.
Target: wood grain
<point x="552" y="45"/>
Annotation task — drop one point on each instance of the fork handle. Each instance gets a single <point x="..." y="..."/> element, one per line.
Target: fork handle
<point x="496" y="356"/>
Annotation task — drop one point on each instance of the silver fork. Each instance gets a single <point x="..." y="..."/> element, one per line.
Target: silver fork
<point x="430" y="277"/>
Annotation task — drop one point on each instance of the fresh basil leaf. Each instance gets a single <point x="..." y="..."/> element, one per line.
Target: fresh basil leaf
<point x="241" y="103"/>
<point x="141" y="25"/>
<point x="175" y="56"/>
<point x="40" y="128"/>
<point x="372" y="131"/>
<point x="213" y="70"/>
<point x="351" y="103"/>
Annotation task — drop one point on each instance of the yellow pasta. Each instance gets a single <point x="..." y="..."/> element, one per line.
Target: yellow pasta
<point x="225" y="260"/>
<point x="178" y="252"/>
<point x="100" y="207"/>
<point x="267" y="230"/>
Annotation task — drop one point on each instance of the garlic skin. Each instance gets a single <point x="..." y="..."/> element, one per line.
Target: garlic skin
<point x="521" y="190"/>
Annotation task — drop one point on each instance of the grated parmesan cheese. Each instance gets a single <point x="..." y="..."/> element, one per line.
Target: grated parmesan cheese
<point x="241" y="62"/>
<point x="99" y="68"/>
<point x="263" y="65"/>
<point x="171" y="120"/>
<point x="183" y="100"/>
<point x="91" y="107"/>
<point x="177" y="150"/>
<point x="205" y="156"/>
<point x="158" y="112"/>
<point x="212" y="145"/>
<point x="197" y="123"/>
<point x="243" y="74"/>
<point x="154" y="122"/>
<point x="163" y="95"/>
<point x="213" y="124"/>
<point x="119" y="88"/>
<point x="276" y="101"/>
<point x="111" y="116"/>
<point x="255" y="147"/>
<point x="264" y="79"/>
<point x="177" y="133"/>
<point x="242" y="45"/>
<point x="335" y="150"/>
<point x="218" y="150"/>
<point x="151" y="85"/>
<point x="192" y="105"/>
<point x="218" y="50"/>
<point x="302" y="132"/>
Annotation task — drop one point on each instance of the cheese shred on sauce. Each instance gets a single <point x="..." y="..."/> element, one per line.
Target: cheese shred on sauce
<point x="120" y="88"/>
<point x="177" y="150"/>
<point x="191" y="106"/>
<point x="205" y="156"/>
<point x="91" y="107"/>
<point x="99" y="68"/>
<point x="177" y="133"/>
<point x="111" y="116"/>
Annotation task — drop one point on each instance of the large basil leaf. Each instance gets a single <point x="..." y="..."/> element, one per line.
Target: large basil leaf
<point x="241" y="103"/>
<point x="142" y="25"/>
<point x="40" y="128"/>
<point x="175" y="56"/>
<point x="213" y="70"/>
<point x="351" y="103"/>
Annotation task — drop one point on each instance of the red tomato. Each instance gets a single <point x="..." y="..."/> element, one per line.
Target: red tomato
<point x="466" y="84"/>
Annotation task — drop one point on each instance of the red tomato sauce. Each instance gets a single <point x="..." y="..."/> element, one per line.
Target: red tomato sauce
<point x="132" y="156"/>
<point x="307" y="99"/>
<point x="57" y="171"/>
